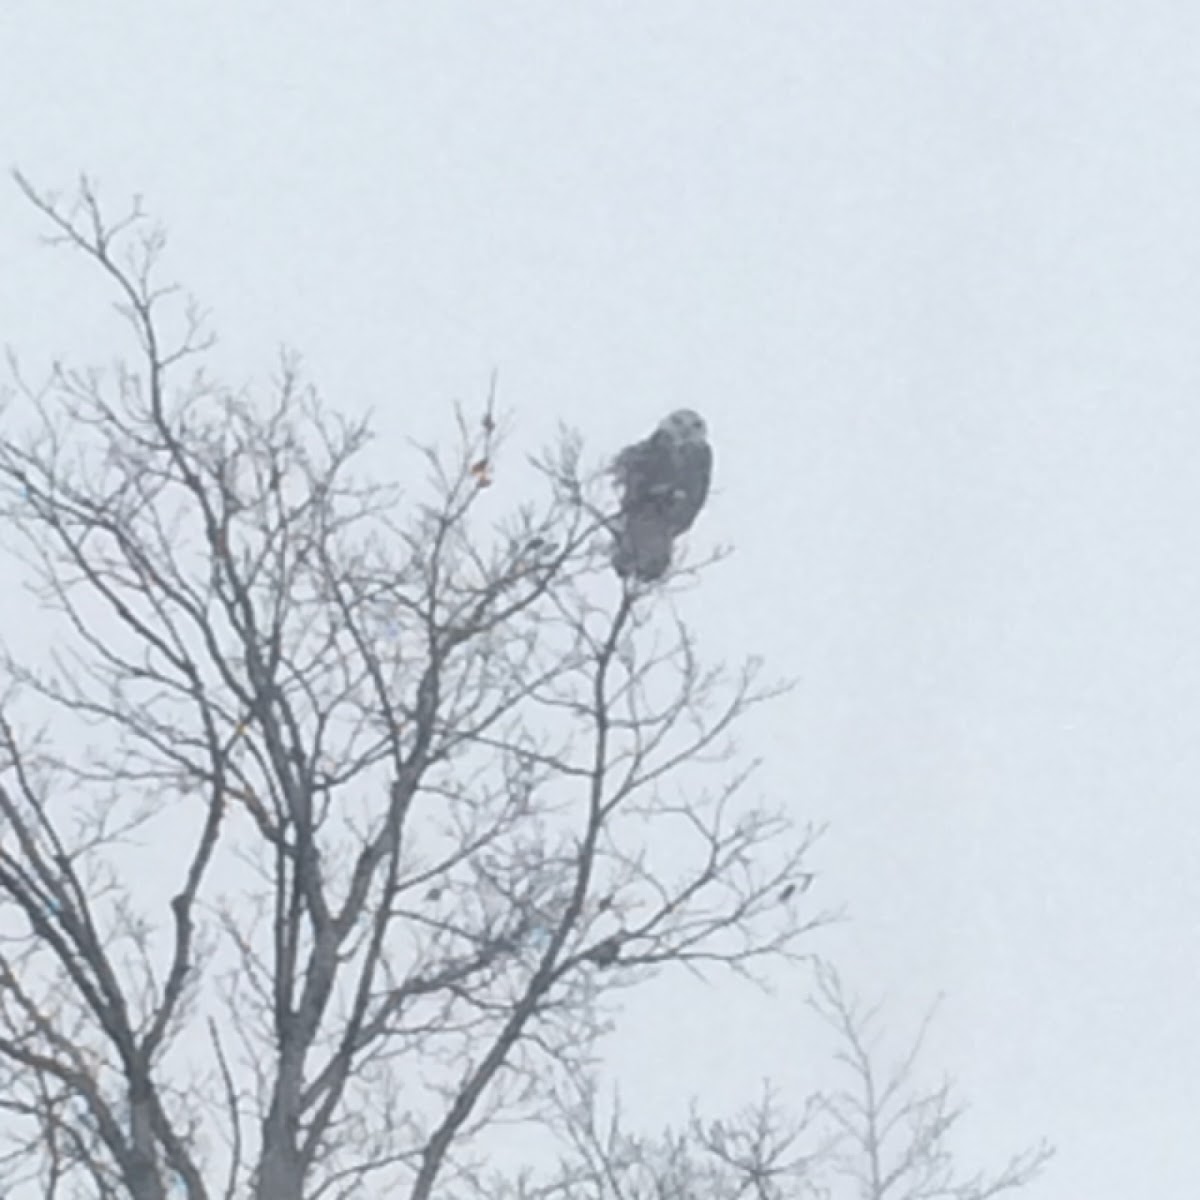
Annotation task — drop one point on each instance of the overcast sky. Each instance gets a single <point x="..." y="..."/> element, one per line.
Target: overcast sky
<point x="930" y="271"/>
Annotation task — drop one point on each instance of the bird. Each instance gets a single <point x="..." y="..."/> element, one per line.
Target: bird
<point x="663" y="482"/>
<point x="606" y="952"/>
<point x="801" y="884"/>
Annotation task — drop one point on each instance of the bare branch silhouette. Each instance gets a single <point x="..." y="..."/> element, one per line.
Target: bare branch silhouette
<point x="880" y="1136"/>
<point x="352" y="806"/>
<point x="893" y="1135"/>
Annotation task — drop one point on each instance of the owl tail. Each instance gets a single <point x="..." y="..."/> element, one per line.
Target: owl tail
<point x="642" y="547"/>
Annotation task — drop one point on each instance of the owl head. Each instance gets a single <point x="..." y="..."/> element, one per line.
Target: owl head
<point x="685" y="426"/>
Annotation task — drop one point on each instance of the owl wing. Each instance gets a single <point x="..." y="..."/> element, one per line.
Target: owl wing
<point x="647" y="473"/>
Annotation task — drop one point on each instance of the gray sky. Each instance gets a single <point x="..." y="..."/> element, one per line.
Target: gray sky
<point x="931" y="272"/>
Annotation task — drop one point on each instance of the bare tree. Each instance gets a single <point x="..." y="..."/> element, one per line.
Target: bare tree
<point x="879" y="1135"/>
<point x="763" y="1152"/>
<point x="890" y="1135"/>
<point x="349" y="811"/>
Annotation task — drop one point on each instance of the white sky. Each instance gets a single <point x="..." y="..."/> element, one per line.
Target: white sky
<point x="930" y="270"/>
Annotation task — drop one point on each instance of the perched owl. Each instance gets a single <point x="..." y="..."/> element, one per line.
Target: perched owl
<point x="663" y="483"/>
